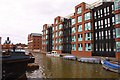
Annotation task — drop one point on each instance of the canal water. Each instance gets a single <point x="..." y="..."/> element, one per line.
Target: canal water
<point x="51" y="67"/>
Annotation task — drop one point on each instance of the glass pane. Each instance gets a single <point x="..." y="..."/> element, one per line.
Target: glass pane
<point x="118" y="46"/>
<point x="87" y="16"/>
<point x="79" y="19"/>
<point x="117" y="32"/>
<point x="79" y="10"/>
<point x="117" y="18"/>
<point x="117" y="4"/>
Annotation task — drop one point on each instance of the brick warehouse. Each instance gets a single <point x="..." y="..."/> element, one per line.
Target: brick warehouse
<point x="35" y="42"/>
<point x="90" y="31"/>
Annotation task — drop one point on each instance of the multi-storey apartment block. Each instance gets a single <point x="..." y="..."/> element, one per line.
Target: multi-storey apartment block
<point x="82" y="30"/>
<point x="47" y="38"/>
<point x="117" y="26"/>
<point x="35" y="42"/>
<point x="93" y="30"/>
<point x="62" y="35"/>
<point x="57" y="36"/>
<point x="104" y="31"/>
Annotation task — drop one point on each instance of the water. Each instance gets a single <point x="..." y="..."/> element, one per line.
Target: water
<point x="51" y="67"/>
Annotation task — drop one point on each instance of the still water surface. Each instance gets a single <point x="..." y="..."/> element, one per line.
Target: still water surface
<point x="51" y="67"/>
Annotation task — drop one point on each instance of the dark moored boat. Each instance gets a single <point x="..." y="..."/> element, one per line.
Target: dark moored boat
<point x="15" y="64"/>
<point x="112" y="66"/>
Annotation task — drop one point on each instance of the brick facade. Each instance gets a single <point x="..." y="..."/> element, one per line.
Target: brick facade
<point x="84" y="36"/>
<point x="35" y="42"/>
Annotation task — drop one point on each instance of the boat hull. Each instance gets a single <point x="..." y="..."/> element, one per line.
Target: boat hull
<point x="70" y="57"/>
<point x="108" y="67"/>
<point x="14" y="69"/>
<point x="54" y="55"/>
<point x="15" y="66"/>
<point x="89" y="60"/>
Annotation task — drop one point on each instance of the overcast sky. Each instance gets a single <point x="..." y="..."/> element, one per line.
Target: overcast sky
<point x="18" y="18"/>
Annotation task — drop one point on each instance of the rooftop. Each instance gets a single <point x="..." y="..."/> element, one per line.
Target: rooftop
<point x="35" y="34"/>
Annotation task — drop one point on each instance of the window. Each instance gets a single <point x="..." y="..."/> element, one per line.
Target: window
<point x="117" y="18"/>
<point x="101" y="23"/>
<point x="88" y="47"/>
<point x="88" y="26"/>
<point x="105" y="11"/>
<point x="74" y="38"/>
<point x="105" y="21"/>
<point x="96" y="35"/>
<point x="102" y="46"/>
<point x="109" y="34"/>
<point x="87" y="16"/>
<point x="99" y="35"/>
<point x="60" y="33"/>
<point x="79" y="19"/>
<point x="88" y="36"/>
<point x="108" y="10"/>
<point x="109" y="46"/>
<point x="79" y="37"/>
<point x="74" y="47"/>
<point x="96" y="46"/>
<point x="98" y="14"/>
<point x="95" y="15"/>
<point x="108" y="20"/>
<point x="79" y="28"/>
<point x="56" y="21"/>
<point x="117" y="46"/>
<point x="106" y="46"/>
<point x="102" y="35"/>
<point x="117" y="4"/>
<point x="79" y="47"/>
<point x="114" y="33"/>
<point x="95" y="25"/>
<point x="112" y="7"/>
<point x="73" y="30"/>
<point x="73" y="21"/>
<point x="101" y="13"/>
<point x="106" y="34"/>
<point x="79" y="10"/>
<point x="113" y="20"/>
<point x="60" y="26"/>
<point x="117" y="32"/>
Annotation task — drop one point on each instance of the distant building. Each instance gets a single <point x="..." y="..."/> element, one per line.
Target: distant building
<point x="21" y="46"/>
<point x="7" y="44"/>
<point x="35" y="42"/>
<point x="0" y="45"/>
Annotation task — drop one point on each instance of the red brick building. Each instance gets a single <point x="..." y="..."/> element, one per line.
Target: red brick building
<point x="21" y="46"/>
<point x="82" y="30"/>
<point x="94" y="30"/>
<point x="47" y="38"/>
<point x="35" y="42"/>
<point x="58" y="34"/>
<point x="117" y="26"/>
